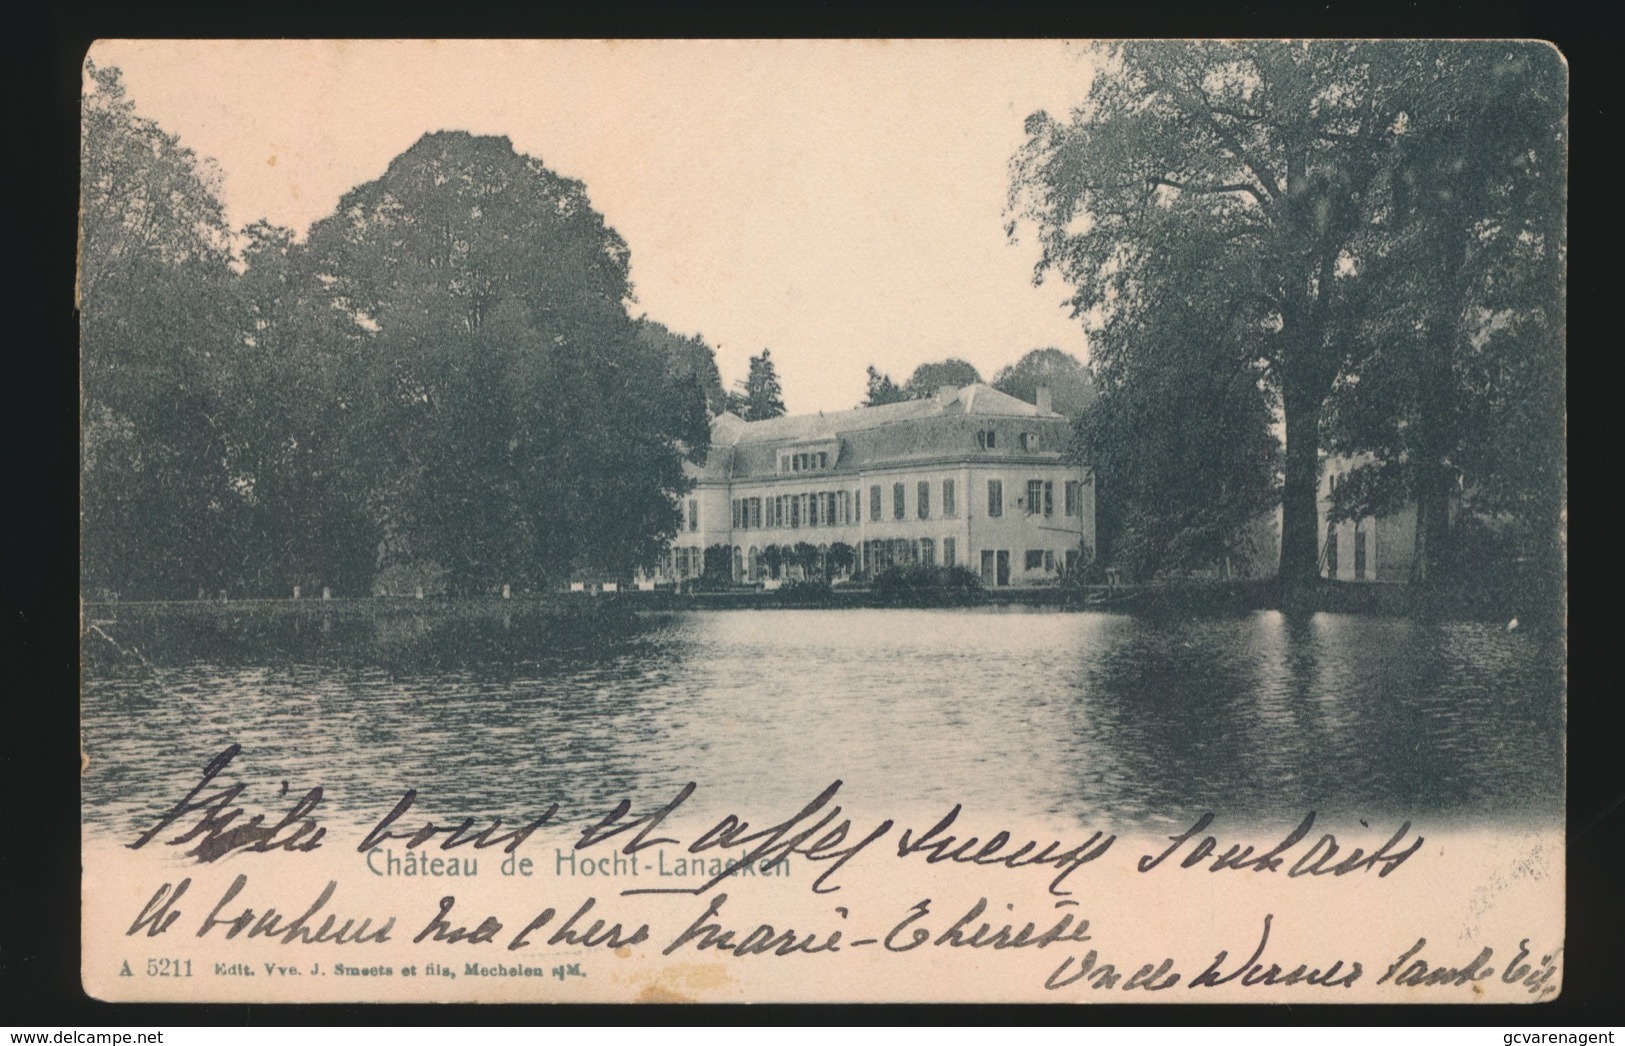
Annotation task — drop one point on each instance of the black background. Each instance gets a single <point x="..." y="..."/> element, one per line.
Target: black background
<point x="39" y="815"/>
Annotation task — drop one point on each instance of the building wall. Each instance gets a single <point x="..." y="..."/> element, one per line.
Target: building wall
<point x="1371" y="548"/>
<point x="1017" y="530"/>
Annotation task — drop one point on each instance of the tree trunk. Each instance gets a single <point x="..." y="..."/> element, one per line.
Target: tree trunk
<point x="1300" y="501"/>
<point x="1435" y="478"/>
<point x="1436" y="404"/>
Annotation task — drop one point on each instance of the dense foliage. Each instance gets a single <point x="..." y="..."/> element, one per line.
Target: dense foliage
<point x="1072" y="390"/>
<point x="916" y="584"/>
<point x="440" y="386"/>
<point x="881" y="389"/>
<point x="1361" y="233"/>
<point x="927" y="379"/>
<point x="759" y="395"/>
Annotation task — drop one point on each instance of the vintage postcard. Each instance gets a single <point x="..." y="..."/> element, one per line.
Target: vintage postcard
<point x="802" y="521"/>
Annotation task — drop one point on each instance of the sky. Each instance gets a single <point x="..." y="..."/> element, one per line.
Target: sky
<point x="840" y="203"/>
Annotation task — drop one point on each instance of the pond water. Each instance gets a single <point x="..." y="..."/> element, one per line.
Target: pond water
<point x="1103" y="719"/>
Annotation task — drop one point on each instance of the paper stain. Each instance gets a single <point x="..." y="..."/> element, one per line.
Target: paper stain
<point x="680" y="983"/>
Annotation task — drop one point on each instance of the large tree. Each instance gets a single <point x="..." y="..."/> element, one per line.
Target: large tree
<point x="523" y="428"/>
<point x="759" y="396"/>
<point x="1072" y="391"/>
<point x="160" y="508"/>
<point x="1180" y="441"/>
<point x="924" y="383"/>
<point x="304" y="436"/>
<point x="929" y="377"/>
<point x="882" y="389"/>
<point x="1458" y="407"/>
<point x="689" y="361"/>
<point x="1259" y="155"/>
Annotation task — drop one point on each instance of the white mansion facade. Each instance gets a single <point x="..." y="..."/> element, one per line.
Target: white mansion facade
<point x="970" y="477"/>
<point x="1371" y="548"/>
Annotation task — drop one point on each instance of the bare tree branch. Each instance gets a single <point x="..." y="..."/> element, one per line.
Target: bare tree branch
<point x="1206" y="190"/>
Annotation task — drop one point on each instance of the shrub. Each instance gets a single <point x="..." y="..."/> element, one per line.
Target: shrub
<point x="710" y="583"/>
<point x="814" y="590"/>
<point x="932" y="586"/>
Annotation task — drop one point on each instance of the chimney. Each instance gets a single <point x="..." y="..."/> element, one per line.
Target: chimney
<point x="946" y="394"/>
<point x="1043" y="399"/>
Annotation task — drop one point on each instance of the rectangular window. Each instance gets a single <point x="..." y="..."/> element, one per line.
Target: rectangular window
<point x="1074" y="498"/>
<point x="922" y="499"/>
<point x="795" y="511"/>
<point x="1359" y="554"/>
<point x="928" y="552"/>
<point x="857" y="505"/>
<point x="693" y="514"/>
<point x="949" y="551"/>
<point x="1035" y="559"/>
<point x="874" y="503"/>
<point x="948" y="506"/>
<point x="756" y="512"/>
<point x="1049" y="560"/>
<point x="897" y="492"/>
<point x="823" y="459"/>
<point x="987" y="439"/>
<point x="734" y="506"/>
<point x="815" y="504"/>
<point x="995" y="498"/>
<point x="1040" y="497"/>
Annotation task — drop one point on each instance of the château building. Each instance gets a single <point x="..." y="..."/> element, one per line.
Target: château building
<point x="1370" y="548"/>
<point x="970" y="477"/>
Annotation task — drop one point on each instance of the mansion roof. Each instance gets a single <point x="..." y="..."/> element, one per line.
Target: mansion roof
<point x="946" y="426"/>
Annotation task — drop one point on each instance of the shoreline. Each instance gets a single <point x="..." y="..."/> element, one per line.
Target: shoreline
<point x="1159" y="598"/>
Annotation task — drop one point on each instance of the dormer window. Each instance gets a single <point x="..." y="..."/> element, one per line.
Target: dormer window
<point x="1029" y="441"/>
<point x="804" y="461"/>
<point x="987" y="439"/>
